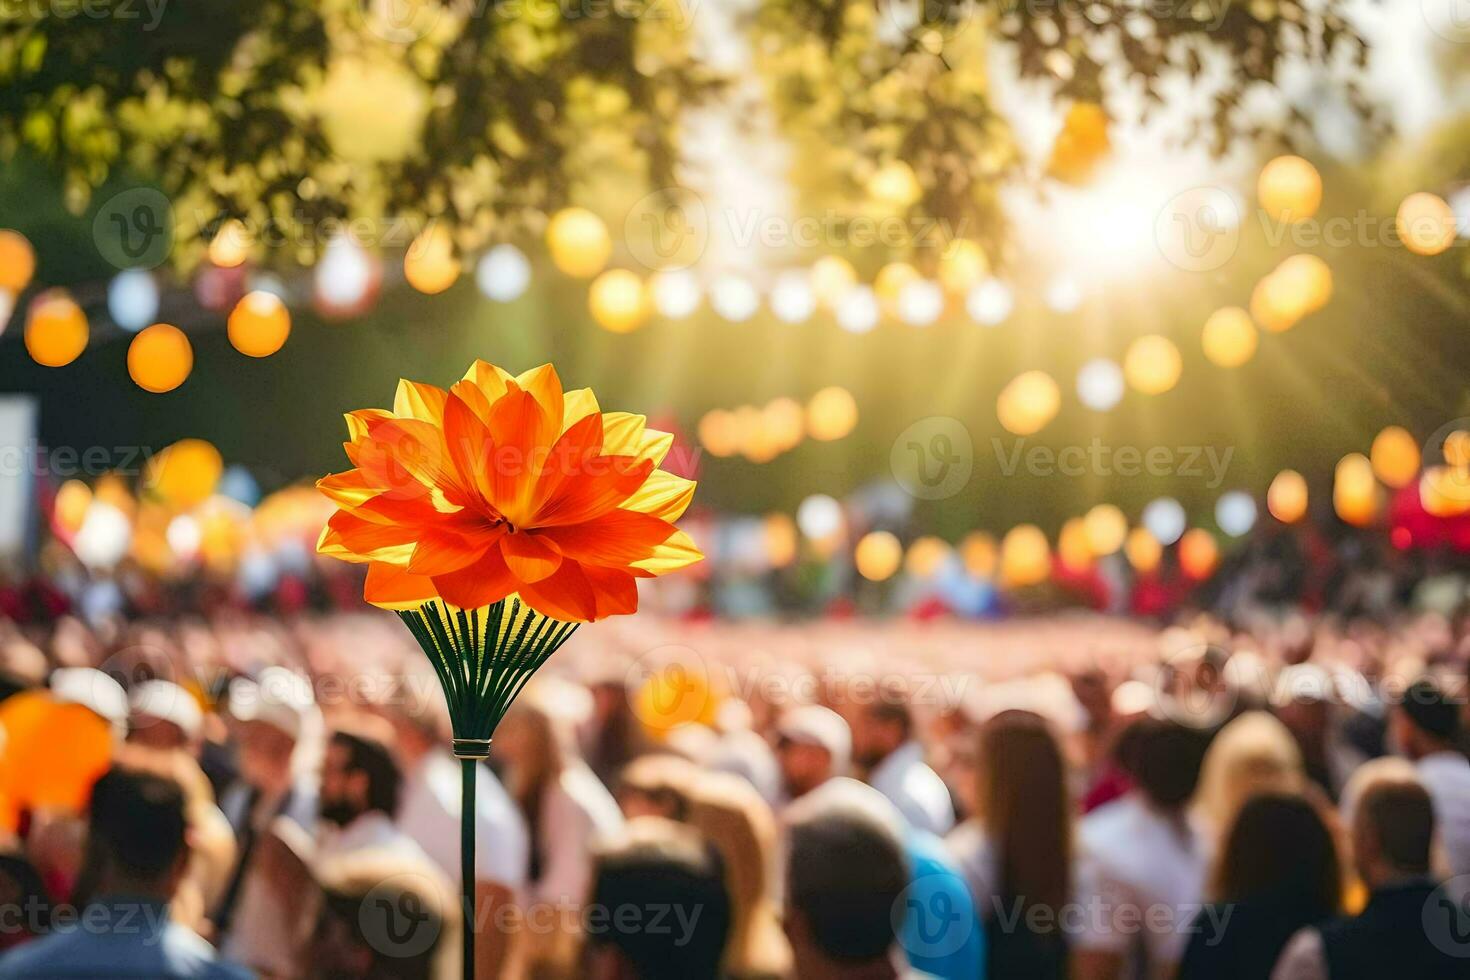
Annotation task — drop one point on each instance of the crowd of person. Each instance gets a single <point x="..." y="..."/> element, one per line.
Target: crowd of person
<point x="1069" y="795"/>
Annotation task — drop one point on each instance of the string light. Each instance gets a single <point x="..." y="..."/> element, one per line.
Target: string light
<point x="920" y="302"/>
<point x="676" y="293"/>
<point x="792" y="299"/>
<point x="56" y="329"/>
<point x="857" y="311"/>
<point x="1395" y="457"/>
<point x="259" y="324"/>
<point x="734" y="298"/>
<point x="831" y="414"/>
<point x="990" y="303"/>
<point x="17" y="262"/>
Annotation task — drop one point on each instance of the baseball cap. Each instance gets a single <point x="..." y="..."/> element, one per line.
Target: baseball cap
<point x="91" y="689"/>
<point x="812" y="724"/>
<point x="277" y="697"/>
<point x="168" y="702"/>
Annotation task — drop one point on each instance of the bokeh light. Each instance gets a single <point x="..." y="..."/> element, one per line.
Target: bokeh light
<point x="617" y="301"/>
<point x="503" y="273"/>
<point x="962" y="265"/>
<point x="920" y="302"/>
<point x="1027" y="403"/>
<point x="792" y="299"/>
<point x="56" y="329"/>
<point x="1143" y="550"/>
<point x="1229" y="337"/>
<point x="831" y="414"/>
<point x="230" y="246"/>
<point x="160" y="358"/>
<point x="1354" y="490"/>
<point x="579" y="242"/>
<point x="990" y="303"/>
<point x="1286" y="498"/>
<point x="734" y="298"/>
<point x="17" y="261"/>
<point x="857" y="311"/>
<point x="926" y="556"/>
<point x="1152" y="364"/>
<point x="185" y="473"/>
<point x="1289" y="189"/>
<point x="1025" y="556"/>
<point x="1106" y="528"/>
<point x="831" y="276"/>
<point x="877" y="555"/>
<point x="979" y="554"/>
<point x="1425" y="223"/>
<point x="1100" y="384"/>
<point x="1235" y="512"/>
<point x="1395" y="456"/>
<point x="1198" y="553"/>
<point x="675" y="293"/>
<point x="819" y="517"/>
<point x="132" y="299"/>
<point x="430" y="265"/>
<point x="259" y="324"/>
<point x="1165" y="519"/>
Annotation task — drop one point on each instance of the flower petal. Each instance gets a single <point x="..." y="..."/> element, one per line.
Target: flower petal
<point x="351" y="538"/>
<point x="419" y="401"/>
<point x="522" y="434"/>
<point x="392" y="587"/>
<point x="616" y="591"/>
<point x="605" y="483"/>
<point x="439" y="552"/>
<point x="470" y="447"/>
<point x="618" y="538"/>
<point x="486" y="581"/>
<point x="529" y="556"/>
<point x="545" y="386"/>
<point x="579" y="403"/>
<point x="670" y="555"/>
<point x="488" y="378"/>
<point x="663" y="495"/>
<point x="566" y="595"/>
<point x="626" y="434"/>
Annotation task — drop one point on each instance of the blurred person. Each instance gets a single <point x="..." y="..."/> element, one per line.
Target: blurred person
<point x="813" y="745"/>
<point x="430" y="813"/>
<point x="850" y="889"/>
<point x="1277" y="872"/>
<point x="1307" y="714"/>
<point x="742" y="751"/>
<point x="1425" y="727"/>
<point x="1139" y="854"/>
<point x="656" y="868"/>
<point x="361" y="786"/>
<point x="613" y="735"/>
<point x="1252" y="754"/>
<point x="1016" y="853"/>
<point x="656" y="785"/>
<point x="164" y="716"/>
<point x="565" y="808"/>
<point x="381" y="918"/>
<point x="23" y="666"/>
<point x="272" y="718"/>
<point x="137" y="853"/>
<point x="885" y="744"/>
<point x="1392" y="838"/>
<point x="738" y="823"/>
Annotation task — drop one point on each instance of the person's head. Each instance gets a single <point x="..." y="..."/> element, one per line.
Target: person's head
<point x="738" y="823"/>
<point x="881" y="727"/>
<point x="1426" y="721"/>
<point x="163" y="715"/>
<point x="813" y="744"/>
<point x="1253" y="754"/>
<point x="538" y="736"/>
<point x="381" y="918"/>
<point x="1021" y="798"/>
<point x="656" y="785"/>
<point x="1164" y="759"/>
<point x="1280" y="847"/>
<point x="1393" y="832"/>
<point x="272" y="716"/>
<point x="656" y="864"/>
<point x="137" y="834"/>
<point x="359" y="775"/>
<point x="845" y="870"/>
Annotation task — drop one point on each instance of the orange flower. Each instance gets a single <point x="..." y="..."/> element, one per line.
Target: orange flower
<point x="506" y="485"/>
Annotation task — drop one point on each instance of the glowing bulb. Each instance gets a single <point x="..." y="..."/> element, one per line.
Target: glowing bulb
<point x="17" y="262"/>
<point x="1165" y="519"/>
<point x="1105" y="528"/>
<point x="676" y="293"/>
<point x="792" y="299"/>
<point x="1286" y="498"/>
<point x="857" y="311"/>
<point x="1235" y="512"/>
<point x="259" y="324"/>
<point x="877" y="556"/>
<point x="734" y="298"/>
<point x="230" y="246"/>
<point x="819" y="517"/>
<point x="990" y="303"/>
<point x="1395" y="457"/>
<point x="920" y="303"/>
<point x="1025" y="556"/>
<point x="56" y="329"/>
<point x="503" y="273"/>
<point x="1100" y="384"/>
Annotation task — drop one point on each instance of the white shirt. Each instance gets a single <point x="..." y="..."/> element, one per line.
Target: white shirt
<point x="1446" y="776"/>
<point x="430" y="812"/>
<point x="374" y="831"/>
<point x="1141" y="882"/>
<point x="915" y="789"/>
<point x="576" y="810"/>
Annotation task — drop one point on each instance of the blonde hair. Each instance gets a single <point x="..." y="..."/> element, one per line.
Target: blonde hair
<point x="1253" y="754"/>
<point x="738" y="823"/>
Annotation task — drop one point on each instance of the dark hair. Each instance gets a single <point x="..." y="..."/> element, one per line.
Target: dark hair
<point x="137" y="822"/>
<point x="1280" y="846"/>
<point x="669" y="869"/>
<point x="370" y="912"/>
<point x="1431" y="710"/>
<point x="891" y="707"/>
<point x="1400" y="817"/>
<point x="844" y="876"/>
<point x="1166" y="761"/>
<point x="1021" y="783"/>
<point x="371" y="757"/>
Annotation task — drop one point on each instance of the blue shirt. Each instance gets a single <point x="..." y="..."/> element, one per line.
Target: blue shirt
<point x="941" y="932"/>
<point x="119" y="938"/>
